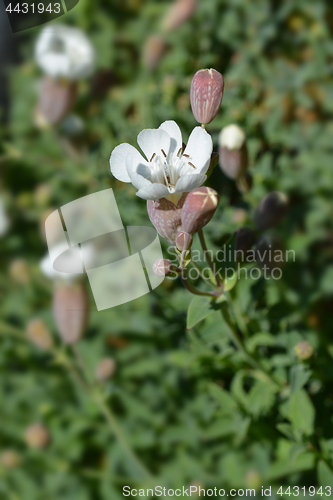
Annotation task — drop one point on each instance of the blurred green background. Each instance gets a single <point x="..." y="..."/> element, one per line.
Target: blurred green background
<point x="188" y="404"/>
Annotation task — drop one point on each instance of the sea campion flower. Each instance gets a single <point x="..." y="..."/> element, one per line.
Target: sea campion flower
<point x="206" y="94"/>
<point x="65" y="52"/>
<point x="168" y="170"/>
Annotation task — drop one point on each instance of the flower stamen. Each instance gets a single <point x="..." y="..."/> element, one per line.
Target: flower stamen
<point x="163" y="153"/>
<point x="191" y="164"/>
<point x="151" y="159"/>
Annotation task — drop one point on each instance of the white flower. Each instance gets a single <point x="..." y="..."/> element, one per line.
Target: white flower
<point x="65" y="52"/>
<point x="232" y="137"/>
<point x="168" y="170"/>
<point x="4" y="221"/>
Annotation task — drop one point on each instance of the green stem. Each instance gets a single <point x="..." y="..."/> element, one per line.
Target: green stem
<point x="238" y="341"/>
<point x="195" y="265"/>
<point x="207" y="256"/>
<point x="194" y="290"/>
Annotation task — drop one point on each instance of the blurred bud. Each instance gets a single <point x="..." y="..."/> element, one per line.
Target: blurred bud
<point x="37" y="436"/>
<point x="194" y="488"/>
<point x="244" y="183"/>
<point x="4" y="220"/>
<point x="269" y="252"/>
<point x="42" y="194"/>
<point x="245" y="238"/>
<point x="70" y="310"/>
<point x="271" y="210"/>
<point x="184" y="240"/>
<point x="199" y="207"/>
<point x="179" y="12"/>
<point x="239" y="216"/>
<point x="166" y="217"/>
<point x="106" y="368"/>
<point x="303" y="350"/>
<point x="253" y="479"/>
<point x="56" y="100"/>
<point x="39" y="334"/>
<point x="44" y="216"/>
<point x="206" y="94"/>
<point x="10" y="459"/>
<point x="164" y="267"/>
<point x="233" y="151"/>
<point x="153" y="51"/>
<point x="19" y="271"/>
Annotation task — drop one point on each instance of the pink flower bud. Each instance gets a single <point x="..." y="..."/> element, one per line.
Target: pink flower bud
<point x="39" y="334"/>
<point x="184" y="240"/>
<point x="37" y="436"/>
<point x="56" y="100"/>
<point x="106" y="368"/>
<point x="153" y="51"/>
<point x="164" y="267"/>
<point x="179" y="12"/>
<point x="71" y="310"/>
<point x="206" y="94"/>
<point x="166" y="217"/>
<point x="199" y="207"/>
<point x="271" y="210"/>
<point x="233" y="151"/>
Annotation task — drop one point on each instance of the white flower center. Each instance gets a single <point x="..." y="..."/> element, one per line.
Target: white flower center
<point x="168" y="169"/>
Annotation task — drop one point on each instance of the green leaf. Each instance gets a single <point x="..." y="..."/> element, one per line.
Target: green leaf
<point x="299" y="375"/>
<point x="261" y="398"/>
<point x="261" y="338"/>
<point x="325" y="474"/>
<point x="302" y="412"/>
<point x="287" y="430"/>
<point x="199" y="308"/>
<point x="228" y="404"/>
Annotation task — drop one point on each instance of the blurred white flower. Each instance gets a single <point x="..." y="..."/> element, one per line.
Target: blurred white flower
<point x="71" y="258"/>
<point x="232" y="137"/>
<point x="4" y="221"/>
<point x="169" y="170"/>
<point x="65" y="52"/>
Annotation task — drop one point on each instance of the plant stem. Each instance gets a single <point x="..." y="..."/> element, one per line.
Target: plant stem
<point x="207" y="256"/>
<point x="237" y="339"/>
<point x="195" y="265"/>
<point x="194" y="290"/>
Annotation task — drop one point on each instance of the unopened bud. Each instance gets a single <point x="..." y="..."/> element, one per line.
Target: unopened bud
<point x="184" y="240"/>
<point x="153" y="51"/>
<point x="19" y="271"/>
<point x="71" y="310"/>
<point x="199" y="207"/>
<point x="179" y="12"/>
<point x="106" y="368"/>
<point x="37" y="436"/>
<point x="164" y="267"/>
<point x="269" y="252"/>
<point x="206" y="94"/>
<point x="245" y="238"/>
<point x="233" y="151"/>
<point x="10" y="459"/>
<point x="253" y="479"/>
<point x="166" y="217"/>
<point x="56" y="100"/>
<point x="271" y="210"/>
<point x="39" y="334"/>
<point x="303" y="350"/>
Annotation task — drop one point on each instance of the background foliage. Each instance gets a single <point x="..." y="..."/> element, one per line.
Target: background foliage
<point x="191" y="406"/>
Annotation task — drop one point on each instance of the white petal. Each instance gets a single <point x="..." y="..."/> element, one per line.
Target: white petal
<point x="199" y="148"/>
<point x="189" y="182"/>
<point x="118" y="161"/>
<point x="153" y="141"/>
<point x="137" y="179"/>
<point x="175" y="134"/>
<point x="153" y="192"/>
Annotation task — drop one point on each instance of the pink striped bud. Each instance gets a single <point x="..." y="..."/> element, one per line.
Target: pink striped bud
<point x="164" y="267"/>
<point x="56" y="100"/>
<point x="199" y="207"/>
<point x="166" y="217"/>
<point x="184" y="240"/>
<point x="233" y="151"/>
<point x="206" y="94"/>
<point x="70" y="310"/>
<point x="153" y="51"/>
<point x="105" y="370"/>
